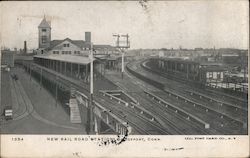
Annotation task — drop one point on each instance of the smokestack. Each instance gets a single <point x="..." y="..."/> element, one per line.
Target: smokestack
<point x="25" y="47"/>
<point x="88" y="37"/>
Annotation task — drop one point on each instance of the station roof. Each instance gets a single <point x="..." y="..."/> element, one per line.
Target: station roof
<point x="79" y="43"/>
<point x="44" y="24"/>
<point x="83" y="60"/>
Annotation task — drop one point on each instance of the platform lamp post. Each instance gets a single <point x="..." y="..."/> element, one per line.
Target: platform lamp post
<point x="122" y="48"/>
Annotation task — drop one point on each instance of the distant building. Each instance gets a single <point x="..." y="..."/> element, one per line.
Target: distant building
<point x="7" y="58"/>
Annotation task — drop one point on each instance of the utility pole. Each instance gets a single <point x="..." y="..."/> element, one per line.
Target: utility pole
<point x="41" y="77"/>
<point x="30" y="71"/>
<point x="122" y="47"/>
<point x="91" y="105"/>
<point x="56" y="89"/>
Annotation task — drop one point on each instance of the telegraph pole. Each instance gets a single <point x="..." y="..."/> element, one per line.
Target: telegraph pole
<point x="122" y="47"/>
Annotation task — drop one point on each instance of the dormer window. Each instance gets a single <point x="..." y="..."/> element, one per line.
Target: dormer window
<point x="66" y="45"/>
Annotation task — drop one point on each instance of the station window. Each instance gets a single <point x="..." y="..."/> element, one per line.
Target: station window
<point x="55" y="52"/>
<point x="44" y="39"/>
<point x="76" y="52"/>
<point x="218" y="75"/>
<point x="210" y="75"/>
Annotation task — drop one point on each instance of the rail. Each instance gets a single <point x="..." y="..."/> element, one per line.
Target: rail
<point x="180" y="111"/>
<point x="215" y="100"/>
<point x="203" y="107"/>
<point x="114" y="97"/>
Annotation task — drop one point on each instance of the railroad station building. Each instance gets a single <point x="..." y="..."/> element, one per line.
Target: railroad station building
<point x="71" y="57"/>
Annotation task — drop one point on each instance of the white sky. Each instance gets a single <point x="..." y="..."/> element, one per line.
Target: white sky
<point x="164" y="24"/>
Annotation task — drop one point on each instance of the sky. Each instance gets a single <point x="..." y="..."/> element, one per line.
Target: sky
<point x="157" y="24"/>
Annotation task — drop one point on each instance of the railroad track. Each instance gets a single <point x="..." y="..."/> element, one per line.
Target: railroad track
<point x="17" y="92"/>
<point x="169" y="84"/>
<point x="208" y="92"/>
<point x="132" y="117"/>
<point x="173" y="128"/>
<point x="216" y="122"/>
<point x="170" y="123"/>
<point x="184" y="127"/>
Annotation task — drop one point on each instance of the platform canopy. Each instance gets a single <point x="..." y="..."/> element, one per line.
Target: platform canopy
<point x="82" y="60"/>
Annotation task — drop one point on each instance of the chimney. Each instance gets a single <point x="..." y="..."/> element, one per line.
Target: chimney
<point x="88" y="37"/>
<point x="25" y="47"/>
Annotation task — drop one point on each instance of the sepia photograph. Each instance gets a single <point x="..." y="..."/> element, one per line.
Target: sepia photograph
<point x="126" y="69"/>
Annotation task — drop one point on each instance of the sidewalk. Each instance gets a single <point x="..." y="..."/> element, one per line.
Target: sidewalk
<point x="5" y="91"/>
<point x="44" y="103"/>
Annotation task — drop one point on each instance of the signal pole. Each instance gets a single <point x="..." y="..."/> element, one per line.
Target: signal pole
<point x="122" y="47"/>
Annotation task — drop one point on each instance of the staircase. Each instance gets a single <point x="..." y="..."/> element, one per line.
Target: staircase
<point x="74" y="111"/>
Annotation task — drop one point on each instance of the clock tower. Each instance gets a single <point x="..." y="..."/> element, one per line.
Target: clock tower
<point x="44" y="33"/>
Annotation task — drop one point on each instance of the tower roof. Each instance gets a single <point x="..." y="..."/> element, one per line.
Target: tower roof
<point x="44" y="24"/>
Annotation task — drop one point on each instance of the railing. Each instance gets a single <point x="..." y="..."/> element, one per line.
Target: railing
<point x="105" y="115"/>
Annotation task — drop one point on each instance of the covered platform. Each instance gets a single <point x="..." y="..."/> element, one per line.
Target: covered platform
<point x="69" y="65"/>
<point x="187" y="69"/>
